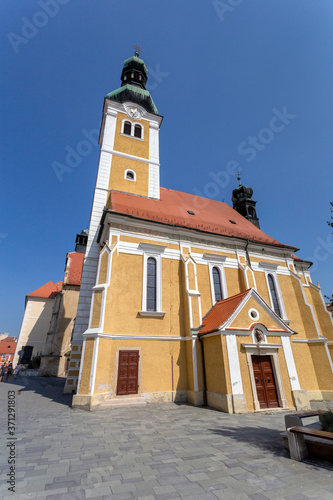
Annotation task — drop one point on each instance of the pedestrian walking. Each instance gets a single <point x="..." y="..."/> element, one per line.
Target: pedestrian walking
<point x="9" y="371"/>
<point x="17" y="370"/>
<point x="3" y="371"/>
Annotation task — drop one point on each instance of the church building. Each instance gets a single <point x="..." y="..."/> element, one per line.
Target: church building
<point x="183" y="298"/>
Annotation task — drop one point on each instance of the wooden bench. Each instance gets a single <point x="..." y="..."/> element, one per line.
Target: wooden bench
<point x="297" y="444"/>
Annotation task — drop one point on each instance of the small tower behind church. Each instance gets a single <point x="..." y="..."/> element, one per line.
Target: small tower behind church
<point x="243" y="203"/>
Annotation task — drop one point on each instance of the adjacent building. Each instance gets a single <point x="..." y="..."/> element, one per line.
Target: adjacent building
<point x="36" y="322"/>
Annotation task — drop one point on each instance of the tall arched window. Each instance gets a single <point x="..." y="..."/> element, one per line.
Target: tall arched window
<point x="274" y="296"/>
<point x="217" y="284"/>
<point x="137" y="131"/>
<point x="127" y="128"/>
<point x="151" y="284"/>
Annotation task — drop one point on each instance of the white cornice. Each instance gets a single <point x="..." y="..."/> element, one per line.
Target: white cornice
<point x="91" y="333"/>
<point x="149" y="247"/>
<point x="310" y="341"/>
<point x="214" y="257"/>
<point x="129" y="157"/>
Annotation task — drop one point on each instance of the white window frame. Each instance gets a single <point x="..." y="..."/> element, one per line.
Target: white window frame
<point x="132" y="129"/>
<point x="132" y="172"/>
<point x="155" y="252"/>
<point x="278" y="293"/>
<point x="220" y="267"/>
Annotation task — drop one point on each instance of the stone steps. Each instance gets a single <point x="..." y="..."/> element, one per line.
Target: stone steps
<point x="122" y="401"/>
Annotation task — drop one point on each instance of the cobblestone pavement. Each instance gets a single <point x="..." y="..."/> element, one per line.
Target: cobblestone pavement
<point x="154" y="452"/>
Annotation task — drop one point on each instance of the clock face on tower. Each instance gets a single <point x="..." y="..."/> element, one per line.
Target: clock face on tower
<point x="134" y="111"/>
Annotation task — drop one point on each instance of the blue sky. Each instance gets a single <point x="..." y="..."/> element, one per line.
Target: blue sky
<point x="219" y="73"/>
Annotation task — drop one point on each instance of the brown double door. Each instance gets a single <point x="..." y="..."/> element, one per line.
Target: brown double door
<point x="128" y="369"/>
<point x="265" y="383"/>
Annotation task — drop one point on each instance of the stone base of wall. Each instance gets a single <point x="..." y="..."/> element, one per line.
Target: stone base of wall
<point x="320" y="395"/>
<point x="165" y="397"/>
<point x="222" y="402"/>
<point x="88" y="402"/>
<point x="301" y="400"/>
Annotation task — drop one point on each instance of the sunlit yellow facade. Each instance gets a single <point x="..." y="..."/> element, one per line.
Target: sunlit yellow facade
<point x="172" y="360"/>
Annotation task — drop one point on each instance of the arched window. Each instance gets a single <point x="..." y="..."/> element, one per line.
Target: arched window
<point x="130" y="175"/>
<point x="274" y="296"/>
<point x="127" y="128"/>
<point x="217" y="284"/>
<point x="151" y="284"/>
<point x="137" y="131"/>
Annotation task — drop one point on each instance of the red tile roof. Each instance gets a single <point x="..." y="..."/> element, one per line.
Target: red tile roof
<point x="8" y="345"/>
<point x="174" y="206"/>
<point x="74" y="264"/>
<point x="221" y="312"/>
<point x="48" y="291"/>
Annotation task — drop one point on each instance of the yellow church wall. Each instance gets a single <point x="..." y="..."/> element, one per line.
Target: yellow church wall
<point x="322" y="315"/>
<point x="304" y="364"/>
<point x="104" y="366"/>
<point x="296" y="309"/>
<point x="322" y="366"/>
<point x="131" y="145"/>
<point x="162" y="365"/>
<point x="117" y="176"/>
<point x="234" y="284"/>
<point x="103" y="268"/>
<point x="86" y="369"/>
<point x="245" y="373"/>
<point x="96" y="314"/>
<point x="122" y="306"/>
<point x="215" y="369"/>
<point x="262" y="286"/>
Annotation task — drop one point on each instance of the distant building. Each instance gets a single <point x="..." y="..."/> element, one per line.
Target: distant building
<point x="36" y="322"/>
<point x="56" y="352"/>
<point x="7" y="349"/>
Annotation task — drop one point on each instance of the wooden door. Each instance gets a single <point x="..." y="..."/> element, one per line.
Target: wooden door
<point x="265" y="383"/>
<point x="128" y="368"/>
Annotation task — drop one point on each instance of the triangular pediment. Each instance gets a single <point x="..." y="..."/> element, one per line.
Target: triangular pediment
<point x="242" y="312"/>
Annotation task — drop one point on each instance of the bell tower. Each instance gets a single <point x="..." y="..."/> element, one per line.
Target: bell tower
<point x="243" y="203"/>
<point x="129" y="162"/>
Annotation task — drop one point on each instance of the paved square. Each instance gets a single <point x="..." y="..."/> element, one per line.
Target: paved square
<point x="154" y="452"/>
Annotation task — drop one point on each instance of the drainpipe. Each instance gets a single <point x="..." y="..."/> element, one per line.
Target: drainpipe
<point x="247" y="254"/>
<point x="203" y="372"/>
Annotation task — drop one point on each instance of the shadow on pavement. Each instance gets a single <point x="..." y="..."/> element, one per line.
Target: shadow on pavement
<point x="48" y="387"/>
<point x="259" y="437"/>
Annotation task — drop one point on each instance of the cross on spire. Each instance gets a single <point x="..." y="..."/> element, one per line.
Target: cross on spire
<point x="239" y="176"/>
<point x="138" y="49"/>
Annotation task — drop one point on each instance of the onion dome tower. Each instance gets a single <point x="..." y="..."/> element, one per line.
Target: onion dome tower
<point x="243" y="203"/>
<point x="133" y="85"/>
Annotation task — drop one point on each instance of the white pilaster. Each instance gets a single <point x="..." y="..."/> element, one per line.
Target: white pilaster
<point x="294" y="382"/>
